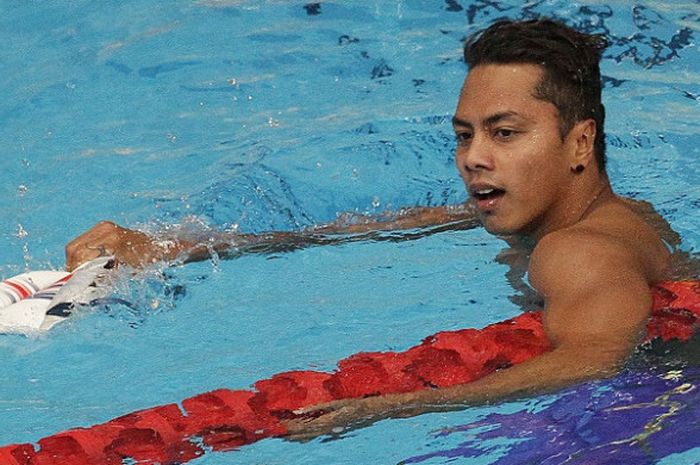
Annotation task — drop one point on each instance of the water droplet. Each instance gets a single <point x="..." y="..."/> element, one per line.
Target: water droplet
<point x="21" y="232"/>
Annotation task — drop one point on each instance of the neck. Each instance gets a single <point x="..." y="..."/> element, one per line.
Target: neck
<point x="576" y="207"/>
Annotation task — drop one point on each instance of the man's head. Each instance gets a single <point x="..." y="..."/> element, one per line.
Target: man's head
<point x="569" y="59"/>
<point x="529" y="126"/>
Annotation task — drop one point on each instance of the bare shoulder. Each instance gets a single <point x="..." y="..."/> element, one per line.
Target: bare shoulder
<point x="580" y="257"/>
<point x="596" y="275"/>
<point x="612" y="239"/>
<point x="595" y="291"/>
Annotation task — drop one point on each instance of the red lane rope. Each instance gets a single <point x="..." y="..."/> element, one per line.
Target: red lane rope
<point x="227" y="419"/>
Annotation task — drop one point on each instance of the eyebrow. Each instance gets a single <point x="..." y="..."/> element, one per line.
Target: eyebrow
<point x="460" y="122"/>
<point x="489" y="121"/>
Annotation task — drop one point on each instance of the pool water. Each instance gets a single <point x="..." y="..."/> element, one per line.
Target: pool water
<point x="277" y="115"/>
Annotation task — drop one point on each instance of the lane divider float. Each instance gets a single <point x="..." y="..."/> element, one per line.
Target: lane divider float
<point x="227" y="419"/>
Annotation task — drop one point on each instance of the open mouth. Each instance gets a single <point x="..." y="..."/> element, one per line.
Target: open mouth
<point x="486" y="194"/>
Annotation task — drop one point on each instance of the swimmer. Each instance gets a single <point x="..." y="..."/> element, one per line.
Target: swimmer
<point x="530" y="148"/>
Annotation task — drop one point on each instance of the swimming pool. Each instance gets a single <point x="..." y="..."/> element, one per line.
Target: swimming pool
<point x="279" y="115"/>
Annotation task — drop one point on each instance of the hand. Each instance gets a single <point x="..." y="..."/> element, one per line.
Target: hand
<point x="335" y="417"/>
<point x="125" y="245"/>
<point x="330" y="418"/>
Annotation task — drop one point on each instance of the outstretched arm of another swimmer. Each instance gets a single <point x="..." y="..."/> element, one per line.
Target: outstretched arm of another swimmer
<point x="597" y="303"/>
<point x="137" y="248"/>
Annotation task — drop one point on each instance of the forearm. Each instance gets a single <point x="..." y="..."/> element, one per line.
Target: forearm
<point x="137" y="248"/>
<point x="403" y="219"/>
<point x="547" y="373"/>
<point x="408" y="224"/>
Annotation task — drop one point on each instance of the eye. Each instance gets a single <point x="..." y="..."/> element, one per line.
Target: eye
<point x="505" y="133"/>
<point x="463" y="138"/>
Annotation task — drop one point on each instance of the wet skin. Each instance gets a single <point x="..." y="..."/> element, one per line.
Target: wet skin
<point x="508" y="140"/>
<point x="589" y="255"/>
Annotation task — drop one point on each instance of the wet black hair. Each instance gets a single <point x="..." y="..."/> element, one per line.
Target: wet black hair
<point x="570" y="60"/>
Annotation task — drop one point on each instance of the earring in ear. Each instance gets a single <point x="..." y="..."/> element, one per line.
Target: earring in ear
<point x="578" y="169"/>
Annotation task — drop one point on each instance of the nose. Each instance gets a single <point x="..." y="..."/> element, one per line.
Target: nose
<point x="474" y="156"/>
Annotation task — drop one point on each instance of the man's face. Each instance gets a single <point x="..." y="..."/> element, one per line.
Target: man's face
<point x="509" y="150"/>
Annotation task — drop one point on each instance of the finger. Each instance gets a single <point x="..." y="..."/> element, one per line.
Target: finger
<point x="97" y="232"/>
<point x="81" y="256"/>
<point x="76" y="251"/>
<point x="331" y="433"/>
<point x="102" y="249"/>
<point x="103" y="235"/>
<point x="310" y="414"/>
<point x="79" y="253"/>
<point x="304" y="432"/>
<point x="301" y="437"/>
<point x="326" y="407"/>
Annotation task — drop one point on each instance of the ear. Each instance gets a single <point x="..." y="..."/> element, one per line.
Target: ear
<point x="582" y="140"/>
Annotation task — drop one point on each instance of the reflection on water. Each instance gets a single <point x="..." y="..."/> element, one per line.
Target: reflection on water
<point x="636" y="418"/>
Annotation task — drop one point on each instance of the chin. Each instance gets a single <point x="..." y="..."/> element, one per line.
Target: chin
<point x="498" y="227"/>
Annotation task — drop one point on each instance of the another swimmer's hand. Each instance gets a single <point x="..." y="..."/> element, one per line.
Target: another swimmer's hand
<point x="127" y="246"/>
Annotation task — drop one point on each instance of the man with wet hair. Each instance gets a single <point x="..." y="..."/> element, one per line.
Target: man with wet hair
<point x="530" y="149"/>
<point x="570" y="61"/>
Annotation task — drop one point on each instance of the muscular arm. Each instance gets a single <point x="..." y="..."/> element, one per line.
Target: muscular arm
<point x="137" y="248"/>
<point x="597" y="303"/>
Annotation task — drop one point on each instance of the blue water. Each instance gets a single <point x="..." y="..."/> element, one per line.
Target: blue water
<point x="279" y="115"/>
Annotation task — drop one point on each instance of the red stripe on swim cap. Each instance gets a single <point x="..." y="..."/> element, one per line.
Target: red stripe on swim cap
<point x="21" y="290"/>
